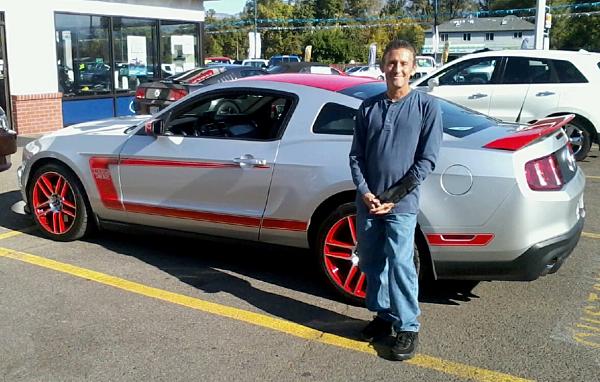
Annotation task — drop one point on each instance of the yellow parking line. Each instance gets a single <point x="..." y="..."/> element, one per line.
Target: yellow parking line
<point x="9" y="234"/>
<point x="593" y="177"/>
<point x="291" y="328"/>
<point x="590" y="235"/>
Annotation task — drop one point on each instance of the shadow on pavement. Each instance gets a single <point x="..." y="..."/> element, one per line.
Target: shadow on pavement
<point x="8" y="218"/>
<point x="213" y="267"/>
<point x="222" y="266"/>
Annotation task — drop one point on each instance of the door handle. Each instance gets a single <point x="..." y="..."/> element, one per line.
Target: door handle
<point x="477" y="96"/>
<point x="247" y="160"/>
<point x="544" y="94"/>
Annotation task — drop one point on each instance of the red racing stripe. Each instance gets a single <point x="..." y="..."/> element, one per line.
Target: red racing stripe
<point x="193" y="215"/>
<point x="287" y="225"/>
<point x="110" y="198"/>
<point x="100" y="168"/>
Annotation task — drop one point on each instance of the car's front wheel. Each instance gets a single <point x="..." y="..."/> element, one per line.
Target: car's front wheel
<point x="338" y="252"/>
<point x="58" y="203"/>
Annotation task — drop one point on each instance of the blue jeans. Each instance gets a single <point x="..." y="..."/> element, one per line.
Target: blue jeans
<point x="386" y="249"/>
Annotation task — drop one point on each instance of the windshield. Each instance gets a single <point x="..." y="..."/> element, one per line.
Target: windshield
<point x="424" y="63"/>
<point x="458" y="121"/>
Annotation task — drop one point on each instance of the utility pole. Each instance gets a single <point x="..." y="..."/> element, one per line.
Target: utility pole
<point x="435" y="36"/>
<point x="255" y="29"/>
<point x="540" y="20"/>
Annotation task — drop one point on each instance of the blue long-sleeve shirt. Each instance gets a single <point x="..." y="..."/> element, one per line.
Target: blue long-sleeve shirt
<point x="392" y="139"/>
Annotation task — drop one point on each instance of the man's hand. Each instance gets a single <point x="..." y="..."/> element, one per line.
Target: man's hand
<point x="371" y="201"/>
<point x="383" y="209"/>
<point x="375" y="206"/>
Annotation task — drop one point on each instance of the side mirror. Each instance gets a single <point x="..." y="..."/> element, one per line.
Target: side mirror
<point x="154" y="127"/>
<point x="432" y="83"/>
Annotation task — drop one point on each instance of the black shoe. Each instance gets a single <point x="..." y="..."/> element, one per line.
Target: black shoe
<point x="376" y="330"/>
<point x="405" y="346"/>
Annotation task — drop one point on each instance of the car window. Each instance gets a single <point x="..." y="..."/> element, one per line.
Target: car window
<point x="249" y="73"/>
<point x="568" y="73"/>
<point x="525" y="70"/>
<point x="476" y="71"/>
<point x="335" y="119"/>
<point x="243" y="115"/>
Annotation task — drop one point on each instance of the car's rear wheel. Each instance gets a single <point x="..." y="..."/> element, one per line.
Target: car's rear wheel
<point x="58" y="203"/>
<point x="580" y="139"/>
<point x="338" y="253"/>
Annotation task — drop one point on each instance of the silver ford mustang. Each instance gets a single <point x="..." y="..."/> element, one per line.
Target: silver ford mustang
<point x="266" y="159"/>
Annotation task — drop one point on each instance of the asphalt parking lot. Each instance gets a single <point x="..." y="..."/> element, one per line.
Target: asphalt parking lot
<point x="130" y="306"/>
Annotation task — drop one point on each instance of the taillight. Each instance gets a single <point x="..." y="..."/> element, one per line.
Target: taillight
<point x="175" y="94"/>
<point x="140" y="93"/>
<point x="544" y="174"/>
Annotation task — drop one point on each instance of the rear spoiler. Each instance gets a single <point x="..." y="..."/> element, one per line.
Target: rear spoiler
<point x="531" y="133"/>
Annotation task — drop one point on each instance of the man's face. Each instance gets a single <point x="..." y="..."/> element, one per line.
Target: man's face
<point x="398" y="66"/>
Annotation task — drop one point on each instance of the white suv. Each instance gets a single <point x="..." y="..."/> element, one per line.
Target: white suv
<point x="525" y="85"/>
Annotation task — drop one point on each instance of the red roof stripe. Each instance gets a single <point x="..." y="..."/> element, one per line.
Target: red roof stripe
<point x="321" y="81"/>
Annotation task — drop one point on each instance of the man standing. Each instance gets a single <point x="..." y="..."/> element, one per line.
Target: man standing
<point x="396" y="143"/>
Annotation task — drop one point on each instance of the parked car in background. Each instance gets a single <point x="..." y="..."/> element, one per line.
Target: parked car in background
<point x="218" y="60"/>
<point x="304" y="67"/>
<point x="526" y="85"/>
<point x="266" y="159"/>
<point x="275" y="60"/>
<point x="351" y="69"/>
<point x="151" y="97"/>
<point x="256" y="62"/>
<point x="372" y="71"/>
<point x="8" y="142"/>
<point x="423" y="66"/>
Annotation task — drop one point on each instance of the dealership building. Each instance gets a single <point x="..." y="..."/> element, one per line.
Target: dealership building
<point x="69" y="61"/>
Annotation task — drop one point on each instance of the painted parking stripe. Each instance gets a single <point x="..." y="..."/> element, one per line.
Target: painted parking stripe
<point x="590" y="235"/>
<point x="592" y="177"/>
<point x="10" y="234"/>
<point x="291" y="328"/>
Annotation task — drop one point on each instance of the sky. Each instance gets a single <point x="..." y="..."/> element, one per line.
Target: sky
<point x="226" y="6"/>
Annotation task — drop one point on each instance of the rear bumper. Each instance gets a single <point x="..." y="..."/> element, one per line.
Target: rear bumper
<point x="541" y="259"/>
<point x="148" y="106"/>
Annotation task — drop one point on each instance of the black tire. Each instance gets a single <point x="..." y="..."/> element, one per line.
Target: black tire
<point x="74" y="202"/>
<point x="580" y="138"/>
<point x="342" y="212"/>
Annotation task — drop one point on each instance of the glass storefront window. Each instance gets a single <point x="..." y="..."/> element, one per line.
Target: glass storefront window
<point x="134" y="45"/>
<point x="178" y="46"/>
<point x="83" y="58"/>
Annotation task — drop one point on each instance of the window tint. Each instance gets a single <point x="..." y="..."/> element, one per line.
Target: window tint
<point x="365" y="91"/>
<point x="335" y="119"/>
<point x="523" y="70"/>
<point x="248" y="116"/>
<point x="470" y="72"/>
<point x="250" y="73"/>
<point x="568" y="73"/>
<point x="460" y="122"/>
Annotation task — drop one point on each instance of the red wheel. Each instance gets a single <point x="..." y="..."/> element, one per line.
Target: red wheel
<point x="336" y="247"/>
<point x="57" y="203"/>
<point x="338" y="251"/>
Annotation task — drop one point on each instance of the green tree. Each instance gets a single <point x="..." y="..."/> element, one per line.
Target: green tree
<point x="329" y="9"/>
<point x="358" y="8"/>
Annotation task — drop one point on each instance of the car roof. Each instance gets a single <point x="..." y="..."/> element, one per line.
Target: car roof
<point x="565" y="54"/>
<point x="332" y="83"/>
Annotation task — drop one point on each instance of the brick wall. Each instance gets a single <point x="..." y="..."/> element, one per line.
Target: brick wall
<point x="37" y="113"/>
